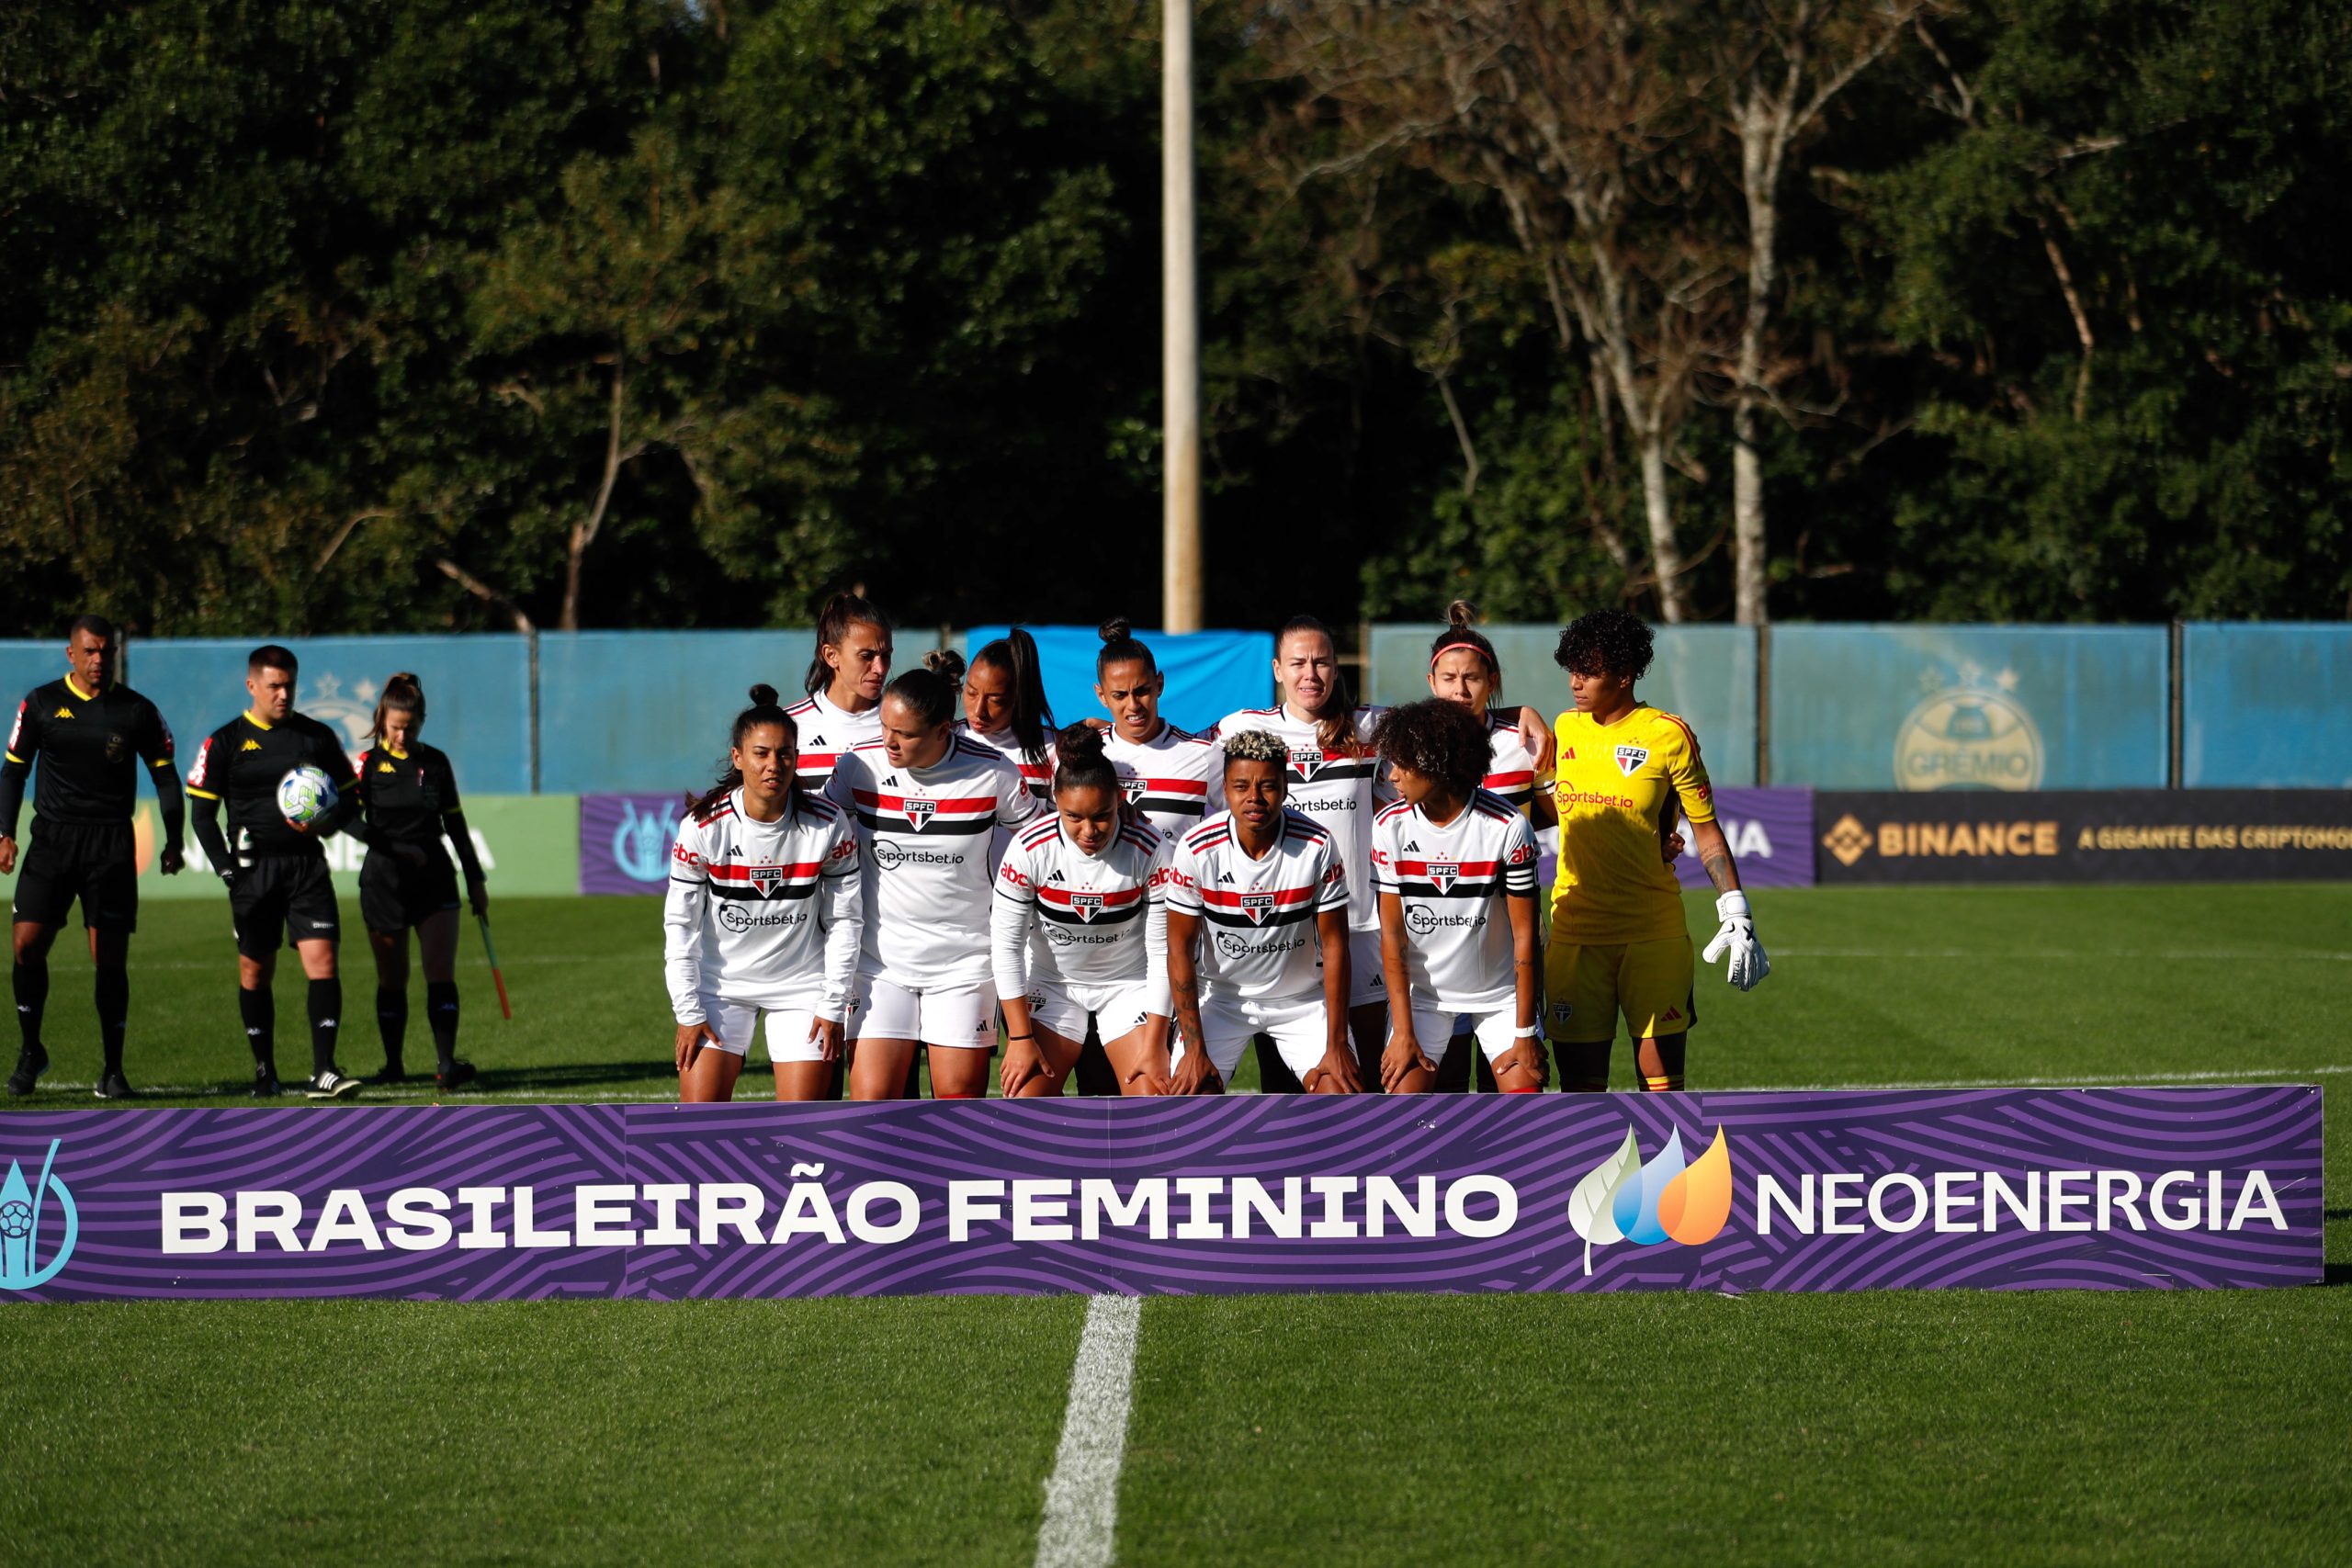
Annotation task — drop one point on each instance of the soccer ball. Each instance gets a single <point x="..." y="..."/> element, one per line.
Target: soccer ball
<point x="304" y="795"/>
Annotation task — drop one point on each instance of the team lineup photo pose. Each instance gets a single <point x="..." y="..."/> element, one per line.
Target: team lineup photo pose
<point x="280" y="893"/>
<point x="1454" y="865"/>
<point x="1335" y="778"/>
<point x="846" y="674"/>
<point x="408" y="801"/>
<point x="765" y="913"/>
<point x="90" y="733"/>
<point x="1079" y="933"/>
<point x="1258" y="933"/>
<point x="927" y="802"/>
<point x="1618" y="941"/>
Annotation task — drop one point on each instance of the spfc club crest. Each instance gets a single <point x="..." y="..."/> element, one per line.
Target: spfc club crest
<point x="1257" y="906"/>
<point x="1443" y="874"/>
<point x="1307" y="761"/>
<point x="1132" y="788"/>
<point x="1086" y="905"/>
<point x="1631" y="758"/>
<point x="767" y="879"/>
<point x="918" y="810"/>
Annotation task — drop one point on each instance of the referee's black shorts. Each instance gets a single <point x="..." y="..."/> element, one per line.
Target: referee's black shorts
<point x="395" y="896"/>
<point x="278" y="900"/>
<point x="95" y="862"/>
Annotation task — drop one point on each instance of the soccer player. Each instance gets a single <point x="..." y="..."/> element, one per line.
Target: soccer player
<point x="765" y="913"/>
<point x="1080" y="936"/>
<point x="408" y="798"/>
<point x="1172" y="779"/>
<point x="90" y="734"/>
<point x="1454" y="866"/>
<point x="1335" y="778"/>
<point x="843" y="708"/>
<point x="926" y="802"/>
<point x="1465" y="670"/>
<point x="276" y="874"/>
<point x="1005" y="707"/>
<point x="1258" y="932"/>
<point x="1618" y="944"/>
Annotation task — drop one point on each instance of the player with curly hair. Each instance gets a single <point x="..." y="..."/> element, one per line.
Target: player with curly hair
<point x="1454" y="865"/>
<point x="1618" y="943"/>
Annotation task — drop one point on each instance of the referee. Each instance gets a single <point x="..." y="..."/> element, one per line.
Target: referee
<point x="279" y="886"/>
<point x="90" y="735"/>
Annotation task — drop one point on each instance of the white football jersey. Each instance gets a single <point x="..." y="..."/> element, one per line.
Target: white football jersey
<point x="1338" y="791"/>
<point x="1510" y="766"/>
<point x="771" y="914"/>
<point x="1071" y="919"/>
<point x="1258" y="939"/>
<point x="1037" y="776"/>
<point x="1451" y="882"/>
<point x="926" y="837"/>
<point x="825" y="734"/>
<point x="1175" y="781"/>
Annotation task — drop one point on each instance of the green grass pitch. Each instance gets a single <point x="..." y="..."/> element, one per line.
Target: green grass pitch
<point x="1933" y="1427"/>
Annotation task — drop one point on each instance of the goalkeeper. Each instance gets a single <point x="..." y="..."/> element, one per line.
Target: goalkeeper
<point x="1618" y="943"/>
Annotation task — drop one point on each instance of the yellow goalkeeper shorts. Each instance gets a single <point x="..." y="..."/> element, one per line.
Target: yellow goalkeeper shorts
<point x="1585" y="987"/>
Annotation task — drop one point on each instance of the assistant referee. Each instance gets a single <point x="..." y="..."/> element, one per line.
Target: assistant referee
<point x="90" y="734"/>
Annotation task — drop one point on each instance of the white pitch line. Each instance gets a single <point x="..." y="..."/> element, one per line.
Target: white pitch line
<point x="2102" y="1080"/>
<point x="2063" y="955"/>
<point x="1082" y="1494"/>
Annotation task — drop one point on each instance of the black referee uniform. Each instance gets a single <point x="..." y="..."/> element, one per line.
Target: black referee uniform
<point x="83" y="847"/>
<point x="409" y="800"/>
<point x="279" y="890"/>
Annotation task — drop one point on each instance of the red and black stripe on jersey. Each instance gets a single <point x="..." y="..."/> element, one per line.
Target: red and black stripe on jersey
<point x="1516" y="785"/>
<point x="1439" y="876"/>
<point x="1061" y="903"/>
<point x="754" y="881"/>
<point x="1263" y="908"/>
<point x="887" y="809"/>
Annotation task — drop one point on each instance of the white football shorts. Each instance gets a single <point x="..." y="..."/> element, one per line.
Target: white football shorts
<point x="1296" y="1024"/>
<point x="734" y="1022"/>
<point x="1367" y="982"/>
<point x="1116" y="1009"/>
<point x="1432" y="1026"/>
<point x="960" y="1016"/>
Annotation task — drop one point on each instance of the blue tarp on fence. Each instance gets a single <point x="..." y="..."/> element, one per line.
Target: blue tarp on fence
<point x="1209" y="673"/>
<point x="2267" y="706"/>
<point x="648" y="711"/>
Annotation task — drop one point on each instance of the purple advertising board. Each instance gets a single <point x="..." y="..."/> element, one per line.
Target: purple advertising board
<point x="625" y="842"/>
<point x="1770" y="832"/>
<point x="1998" y="1189"/>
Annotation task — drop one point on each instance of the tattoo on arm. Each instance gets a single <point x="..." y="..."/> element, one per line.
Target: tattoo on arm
<point x="1718" y="863"/>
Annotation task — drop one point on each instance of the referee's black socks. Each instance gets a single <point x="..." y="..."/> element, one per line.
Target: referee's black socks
<point x="112" y="989"/>
<point x="326" y="1014"/>
<point x="392" y="1021"/>
<point x="32" y="997"/>
<point x="259" y="1010"/>
<point x="441" y="1013"/>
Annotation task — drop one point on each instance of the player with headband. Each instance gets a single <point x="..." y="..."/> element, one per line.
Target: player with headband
<point x="1455" y="867"/>
<point x="1258" y="933"/>
<point x="927" y="802"/>
<point x="845" y="681"/>
<point x="1173" y="779"/>
<point x="765" y="913"/>
<point x="1080" y="936"/>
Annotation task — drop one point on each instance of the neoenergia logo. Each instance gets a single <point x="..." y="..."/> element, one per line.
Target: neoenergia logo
<point x="1622" y="1200"/>
<point x="20" y="1215"/>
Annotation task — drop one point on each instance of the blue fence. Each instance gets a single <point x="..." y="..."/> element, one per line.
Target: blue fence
<point x="1209" y="675"/>
<point x="2266" y="706"/>
<point x="1705" y="674"/>
<point x="1970" y="707"/>
<point x="1854" y="707"/>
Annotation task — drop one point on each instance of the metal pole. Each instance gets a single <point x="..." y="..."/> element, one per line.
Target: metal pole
<point x="1180" y="329"/>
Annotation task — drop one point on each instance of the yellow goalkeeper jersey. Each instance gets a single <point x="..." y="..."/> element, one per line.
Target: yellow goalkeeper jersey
<point x="1619" y="788"/>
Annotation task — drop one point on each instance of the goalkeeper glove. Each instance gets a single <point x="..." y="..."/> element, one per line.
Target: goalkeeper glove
<point x="1737" y="936"/>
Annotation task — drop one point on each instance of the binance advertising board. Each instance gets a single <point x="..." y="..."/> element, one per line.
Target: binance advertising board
<point x="2136" y="835"/>
<point x="2117" y="1188"/>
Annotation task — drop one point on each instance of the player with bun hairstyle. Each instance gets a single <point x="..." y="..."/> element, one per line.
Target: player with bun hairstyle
<point x="1334" y="777"/>
<point x="844" y="685"/>
<point x="1258" y="933"/>
<point x="1005" y="707"/>
<point x="765" y="914"/>
<point x="927" y="802"/>
<point x="1618" y="941"/>
<point x="1079" y="934"/>
<point x="1454" y="866"/>
<point x="1171" y="778"/>
<point x="408" y="797"/>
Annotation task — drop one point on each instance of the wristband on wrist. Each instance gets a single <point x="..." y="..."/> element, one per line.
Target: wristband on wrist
<point x="1021" y="1037"/>
<point x="1528" y="1031"/>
